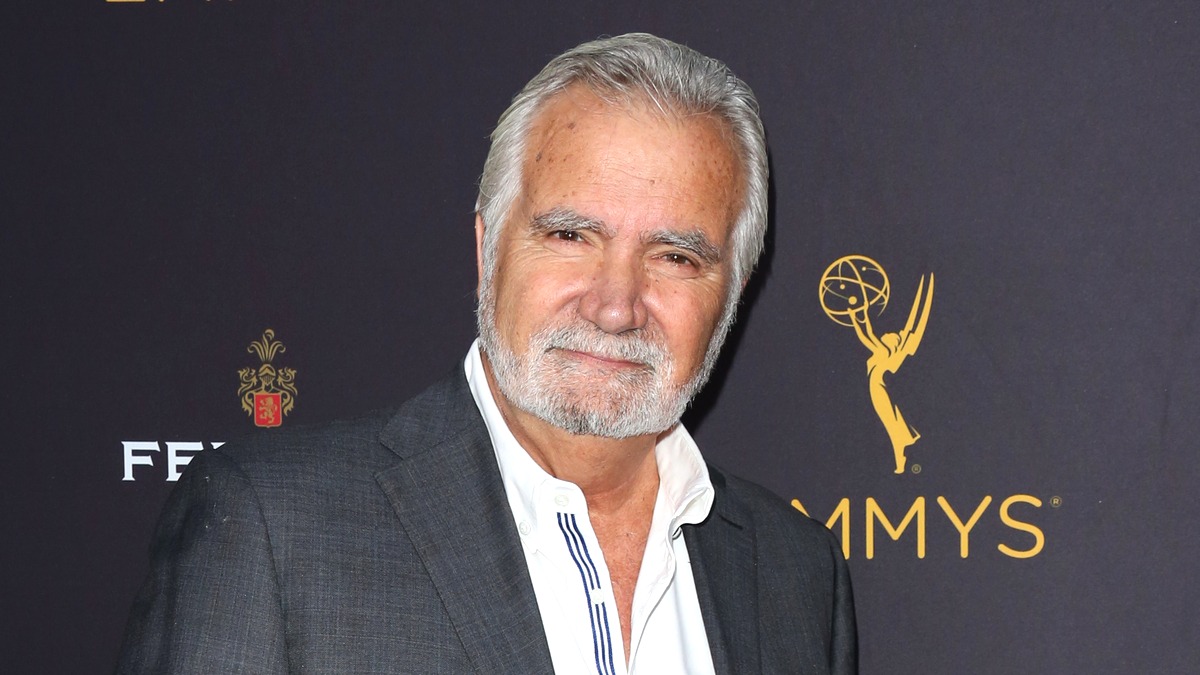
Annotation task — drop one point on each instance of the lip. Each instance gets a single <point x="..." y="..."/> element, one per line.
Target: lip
<point x="602" y="360"/>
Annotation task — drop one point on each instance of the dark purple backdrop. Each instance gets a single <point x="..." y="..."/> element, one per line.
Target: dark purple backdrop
<point x="180" y="176"/>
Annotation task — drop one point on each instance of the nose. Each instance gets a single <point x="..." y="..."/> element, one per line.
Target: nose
<point x="614" y="299"/>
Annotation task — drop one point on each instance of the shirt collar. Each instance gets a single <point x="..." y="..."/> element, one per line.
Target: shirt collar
<point x="683" y="482"/>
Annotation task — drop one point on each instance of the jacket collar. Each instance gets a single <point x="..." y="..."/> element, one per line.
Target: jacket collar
<point x="447" y="493"/>
<point x="722" y="550"/>
<point x="449" y="497"/>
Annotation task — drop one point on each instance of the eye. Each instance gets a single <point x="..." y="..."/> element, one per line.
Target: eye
<point x="679" y="259"/>
<point x="567" y="235"/>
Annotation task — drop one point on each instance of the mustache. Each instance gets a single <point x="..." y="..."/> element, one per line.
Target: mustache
<point x="635" y="347"/>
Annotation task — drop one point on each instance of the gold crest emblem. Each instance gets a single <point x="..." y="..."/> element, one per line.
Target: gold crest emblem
<point x="850" y="289"/>
<point x="267" y="393"/>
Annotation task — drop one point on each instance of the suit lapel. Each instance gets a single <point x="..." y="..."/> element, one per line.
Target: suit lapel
<point x="723" y="564"/>
<point x="449" y="497"/>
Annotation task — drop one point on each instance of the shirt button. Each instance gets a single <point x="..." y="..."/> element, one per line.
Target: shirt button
<point x="524" y="528"/>
<point x="562" y="500"/>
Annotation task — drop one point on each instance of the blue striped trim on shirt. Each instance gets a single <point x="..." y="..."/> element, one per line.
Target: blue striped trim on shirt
<point x="598" y="612"/>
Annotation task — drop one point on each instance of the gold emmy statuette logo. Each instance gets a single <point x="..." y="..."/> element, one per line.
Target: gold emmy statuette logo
<point x="850" y="288"/>
<point x="267" y="393"/>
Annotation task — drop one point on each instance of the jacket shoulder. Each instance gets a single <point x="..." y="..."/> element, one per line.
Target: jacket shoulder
<point x="352" y="440"/>
<point x="805" y="602"/>
<point x="773" y="517"/>
<point x="360" y="445"/>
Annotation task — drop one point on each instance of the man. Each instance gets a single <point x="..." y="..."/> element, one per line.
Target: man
<point x="542" y="509"/>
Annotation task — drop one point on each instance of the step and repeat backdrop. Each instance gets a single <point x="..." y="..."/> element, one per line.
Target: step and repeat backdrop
<point x="230" y="217"/>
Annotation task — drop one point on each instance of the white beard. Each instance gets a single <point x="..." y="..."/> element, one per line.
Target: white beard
<point x="587" y="399"/>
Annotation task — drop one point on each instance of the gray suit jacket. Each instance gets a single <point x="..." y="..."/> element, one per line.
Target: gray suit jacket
<point x="386" y="545"/>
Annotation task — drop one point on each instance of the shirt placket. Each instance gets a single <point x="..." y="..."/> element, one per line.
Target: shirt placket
<point x="570" y="545"/>
<point x="654" y="577"/>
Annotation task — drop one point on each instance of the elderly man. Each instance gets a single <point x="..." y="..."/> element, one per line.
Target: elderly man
<point x="542" y="509"/>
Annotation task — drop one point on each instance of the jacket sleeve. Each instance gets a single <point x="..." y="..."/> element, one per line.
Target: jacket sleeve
<point x="211" y="602"/>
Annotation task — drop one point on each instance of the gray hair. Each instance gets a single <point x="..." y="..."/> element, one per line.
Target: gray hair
<point x="669" y="78"/>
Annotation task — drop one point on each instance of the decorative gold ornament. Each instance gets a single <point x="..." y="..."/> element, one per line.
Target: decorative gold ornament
<point x="267" y="393"/>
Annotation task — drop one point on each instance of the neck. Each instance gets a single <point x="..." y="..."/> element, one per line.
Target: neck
<point x="613" y="473"/>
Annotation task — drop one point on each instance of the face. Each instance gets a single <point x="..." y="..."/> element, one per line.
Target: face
<point x="613" y="269"/>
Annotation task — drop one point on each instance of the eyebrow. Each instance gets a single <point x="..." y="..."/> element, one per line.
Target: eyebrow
<point x="558" y="219"/>
<point x="692" y="241"/>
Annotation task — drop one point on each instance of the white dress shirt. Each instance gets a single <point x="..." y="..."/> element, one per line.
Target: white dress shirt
<point x="570" y="577"/>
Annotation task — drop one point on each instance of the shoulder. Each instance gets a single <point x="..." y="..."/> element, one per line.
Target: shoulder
<point x="804" y="603"/>
<point x="781" y="531"/>
<point x="354" y="448"/>
<point x="306" y="488"/>
<point x="326" y="451"/>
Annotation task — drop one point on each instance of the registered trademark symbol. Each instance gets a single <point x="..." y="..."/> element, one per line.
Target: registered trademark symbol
<point x="916" y="468"/>
<point x="1055" y="502"/>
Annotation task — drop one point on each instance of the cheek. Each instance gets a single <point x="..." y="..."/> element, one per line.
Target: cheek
<point x="511" y="304"/>
<point x="531" y="294"/>
<point x="688" y="320"/>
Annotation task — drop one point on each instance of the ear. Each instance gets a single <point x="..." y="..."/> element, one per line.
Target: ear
<point x="478" y="252"/>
